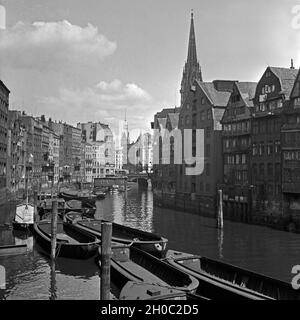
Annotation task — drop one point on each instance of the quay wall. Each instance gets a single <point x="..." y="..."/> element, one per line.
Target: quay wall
<point x="238" y="212"/>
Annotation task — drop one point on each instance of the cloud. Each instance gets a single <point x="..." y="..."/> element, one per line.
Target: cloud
<point x="53" y="46"/>
<point x="116" y="91"/>
<point x="105" y="102"/>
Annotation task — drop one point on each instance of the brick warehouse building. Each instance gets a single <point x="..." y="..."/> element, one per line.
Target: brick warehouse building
<point x="236" y="140"/>
<point x="4" y="103"/>
<point x="271" y="96"/>
<point x="290" y="144"/>
<point x="203" y="109"/>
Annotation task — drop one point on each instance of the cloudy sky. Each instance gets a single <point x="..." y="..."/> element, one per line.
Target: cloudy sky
<point x="91" y="60"/>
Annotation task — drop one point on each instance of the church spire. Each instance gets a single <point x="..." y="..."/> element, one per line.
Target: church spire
<point x="192" y="52"/>
<point x="191" y="69"/>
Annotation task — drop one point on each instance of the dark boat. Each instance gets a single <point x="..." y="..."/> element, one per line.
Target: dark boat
<point x="45" y="207"/>
<point x="11" y="250"/>
<point x="85" y="208"/>
<point x="70" y="242"/>
<point x="143" y="240"/>
<point x="140" y="275"/>
<point x="219" y="280"/>
<point x="100" y="195"/>
<point x="84" y="196"/>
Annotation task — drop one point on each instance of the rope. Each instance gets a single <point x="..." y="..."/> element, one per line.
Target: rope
<point x="58" y="251"/>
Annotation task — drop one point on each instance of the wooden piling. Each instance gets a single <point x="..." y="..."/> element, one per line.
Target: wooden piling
<point x="106" y="233"/>
<point x="35" y="200"/>
<point x="53" y="228"/>
<point x="125" y="186"/>
<point x="220" y="218"/>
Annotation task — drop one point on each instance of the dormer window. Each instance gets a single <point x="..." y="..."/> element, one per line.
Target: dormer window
<point x="297" y="103"/>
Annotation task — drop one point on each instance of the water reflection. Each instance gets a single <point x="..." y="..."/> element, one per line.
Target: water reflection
<point x="31" y="276"/>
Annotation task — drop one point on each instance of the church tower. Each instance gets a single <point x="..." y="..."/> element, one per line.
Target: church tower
<point x="191" y="70"/>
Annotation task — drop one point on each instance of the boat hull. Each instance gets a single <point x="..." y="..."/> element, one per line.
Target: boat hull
<point x="153" y="244"/>
<point x="11" y="250"/>
<point x="130" y="264"/>
<point x="221" y="281"/>
<point x="82" y="250"/>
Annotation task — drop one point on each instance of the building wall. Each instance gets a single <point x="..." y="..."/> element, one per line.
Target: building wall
<point x="4" y="103"/>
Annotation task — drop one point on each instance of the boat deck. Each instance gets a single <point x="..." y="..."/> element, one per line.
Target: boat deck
<point x="65" y="238"/>
<point x="142" y="273"/>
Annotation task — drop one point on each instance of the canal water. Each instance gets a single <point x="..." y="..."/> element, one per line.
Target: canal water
<point x="257" y="248"/>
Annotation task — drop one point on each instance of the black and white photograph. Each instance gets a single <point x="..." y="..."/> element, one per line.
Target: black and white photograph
<point x="149" y="153"/>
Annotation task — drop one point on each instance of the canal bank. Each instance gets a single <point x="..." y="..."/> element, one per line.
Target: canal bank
<point x="257" y="248"/>
<point x="236" y="211"/>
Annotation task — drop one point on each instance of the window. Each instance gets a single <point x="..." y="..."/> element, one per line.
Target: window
<point x="202" y="116"/>
<point x="244" y="159"/>
<point x="207" y="151"/>
<point x="208" y="132"/>
<point x="270" y="169"/>
<point x="237" y="159"/>
<point x="207" y="187"/>
<point x="208" y="169"/>
<point x="193" y="188"/>
<point x="194" y="120"/>
<point x="254" y="149"/>
<point x="208" y="114"/>
<point x="187" y="120"/>
<point x="277" y="146"/>
<point x="202" y="100"/>
<point x="261" y="149"/>
<point x="279" y="104"/>
<point x="270" y="148"/>
<point x="261" y="169"/>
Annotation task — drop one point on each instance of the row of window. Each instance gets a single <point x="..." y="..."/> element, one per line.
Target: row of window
<point x="259" y="170"/>
<point x="235" y="159"/>
<point x="236" y="143"/>
<point x="269" y="106"/>
<point x="271" y="147"/>
<point x="291" y="155"/>
<point x="243" y="126"/>
<point x="269" y="126"/>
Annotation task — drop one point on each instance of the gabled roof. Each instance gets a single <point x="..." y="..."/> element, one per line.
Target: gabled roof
<point x="247" y="91"/>
<point x="164" y="112"/>
<point x="217" y="98"/>
<point x="286" y="77"/>
<point x="4" y="86"/>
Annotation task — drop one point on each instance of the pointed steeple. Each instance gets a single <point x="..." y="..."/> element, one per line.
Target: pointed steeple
<point x="192" y="52"/>
<point x="191" y="69"/>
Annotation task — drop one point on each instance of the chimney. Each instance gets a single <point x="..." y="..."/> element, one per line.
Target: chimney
<point x="292" y="64"/>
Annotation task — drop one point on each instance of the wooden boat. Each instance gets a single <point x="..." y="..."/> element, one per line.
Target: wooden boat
<point x="147" y="274"/>
<point x="11" y="250"/>
<point x="24" y="218"/>
<point x="100" y="195"/>
<point x="152" y="243"/>
<point x="70" y="242"/>
<point x="45" y="207"/>
<point x="85" y="208"/>
<point x="84" y="196"/>
<point x="141" y="291"/>
<point x="219" y="280"/>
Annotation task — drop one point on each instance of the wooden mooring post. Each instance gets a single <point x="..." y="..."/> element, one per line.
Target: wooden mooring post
<point x="53" y="228"/>
<point x="35" y="200"/>
<point x="106" y="233"/>
<point x="220" y="218"/>
<point x="125" y="186"/>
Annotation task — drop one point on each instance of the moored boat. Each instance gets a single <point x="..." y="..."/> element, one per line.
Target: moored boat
<point x="11" y="250"/>
<point x="149" y="242"/>
<point x="86" y="209"/>
<point x="70" y="242"/>
<point x="219" y="280"/>
<point x="24" y="218"/>
<point x="137" y="273"/>
<point x="45" y="207"/>
<point x="84" y="196"/>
